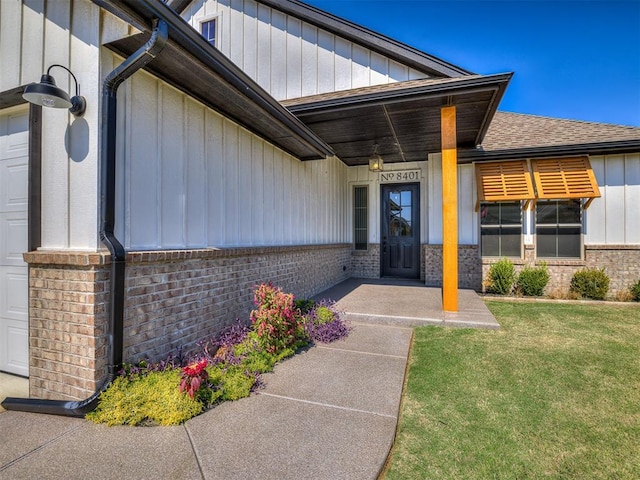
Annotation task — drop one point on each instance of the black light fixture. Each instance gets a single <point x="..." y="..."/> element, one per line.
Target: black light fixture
<point x="48" y="94"/>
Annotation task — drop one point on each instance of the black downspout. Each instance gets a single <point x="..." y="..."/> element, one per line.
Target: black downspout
<point x="113" y="80"/>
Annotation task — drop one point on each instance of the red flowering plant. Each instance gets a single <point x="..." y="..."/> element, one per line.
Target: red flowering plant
<point x="276" y="321"/>
<point x="193" y="376"/>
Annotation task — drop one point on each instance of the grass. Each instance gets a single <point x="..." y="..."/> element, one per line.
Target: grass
<point x="555" y="393"/>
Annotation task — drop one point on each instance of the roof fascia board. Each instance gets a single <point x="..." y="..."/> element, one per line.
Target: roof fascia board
<point x="192" y="43"/>
<point x="600" y="148"/>
<point x="368" y="38"/>
<point x="463" y="85"/>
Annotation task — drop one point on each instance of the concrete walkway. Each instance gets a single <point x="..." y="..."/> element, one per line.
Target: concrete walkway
<point x="407" y="303"/>
<point x="329" y="412"/>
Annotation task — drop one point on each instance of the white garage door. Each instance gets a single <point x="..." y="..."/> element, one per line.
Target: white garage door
<point x="14" y="334"/>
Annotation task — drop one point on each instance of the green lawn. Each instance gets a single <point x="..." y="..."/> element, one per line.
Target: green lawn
<point x="555" y="393"/>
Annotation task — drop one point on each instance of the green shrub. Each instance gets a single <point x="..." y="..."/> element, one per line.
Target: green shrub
<point x="635" y="291"/>
<point x="590" y="283"/>
<point x="532" y="281"/>
<point x="153" y="397"/>
<point x="502" y="275"/>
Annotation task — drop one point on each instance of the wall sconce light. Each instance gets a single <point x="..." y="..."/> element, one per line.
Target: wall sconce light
<point x="48" y="94"/>
<point x="376" y="164"/>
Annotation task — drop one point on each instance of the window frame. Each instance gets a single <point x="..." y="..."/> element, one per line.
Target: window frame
<point x="216" y="35"/>
<point x="559" y="226"/>
<point x="357" y="228"/>
<point x="499" y="227"/>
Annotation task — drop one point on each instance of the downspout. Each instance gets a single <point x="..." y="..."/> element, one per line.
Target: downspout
<point x="112" y="81"/>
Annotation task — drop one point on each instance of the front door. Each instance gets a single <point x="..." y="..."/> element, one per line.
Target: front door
<point x="400" y="230"/>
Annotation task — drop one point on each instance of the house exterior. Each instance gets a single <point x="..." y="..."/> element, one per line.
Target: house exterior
<point x="243" y="146"/>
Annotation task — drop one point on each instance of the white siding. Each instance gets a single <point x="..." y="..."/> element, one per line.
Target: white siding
<point x="290" y="58"/>
<point x="613" y="219"/>
<point x="33" y="36"/>
<point x="195" y="179"/>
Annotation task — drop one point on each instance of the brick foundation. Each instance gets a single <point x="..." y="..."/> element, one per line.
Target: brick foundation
<point x="366" y="263"/>
<point x="173" y="298"/>
<point x="469" y="266"/>
<point x="620" y="262"/>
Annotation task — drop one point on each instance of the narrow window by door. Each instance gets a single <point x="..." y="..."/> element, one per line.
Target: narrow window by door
<point x="400" y="249"/>
<point x="360" y="218"/>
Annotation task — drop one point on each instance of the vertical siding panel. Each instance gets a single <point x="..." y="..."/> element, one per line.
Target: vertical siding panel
<point x="196" y="204"/>
<point x="466" y="204"/>
<point x="250" y="26"/>
<point x="615" y="199"/>
<point x="632" y="198"/>
<point x="83" y="169"/>
<point x="294" y="58"/>
<point x="172" y="200"/>
<point x="379" y="69"/>
<point x="360" y="76"/>
<point x="143" y="161"/>
<point x="398" y="72"/>
<point x="278" y="60"/>
<point x="416" y="75"/>
<point x="326" y="62"/>
<point x="216" y="184"/>
<point x="236" y="33"/>
<point x="55" y="165"/>
<point x="309" y="60"/>
<point x="278" y="197"/>
<point x="230" y="158"/>
<point x="243" y="186"/>
<point x="342" y="64"/>
<point x="225" y="19"/>
<point x="595" y="215"/>
<point x="264" y="47"/>
<point x="257" y="190"/>
<point x="12" y="23"/>
<point x="32" y="41"/>
<point x="269" y="206"/>
<point x="434" y="210"/>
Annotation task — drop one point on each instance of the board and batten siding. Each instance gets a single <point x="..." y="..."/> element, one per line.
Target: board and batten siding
<point x="33" y="36"/>
<point x="290" y="58"/>
<point x="614" y="219"/>
<point x="193" y="179"/>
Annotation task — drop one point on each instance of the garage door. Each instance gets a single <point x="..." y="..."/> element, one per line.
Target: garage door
<point x="14" y="335"/>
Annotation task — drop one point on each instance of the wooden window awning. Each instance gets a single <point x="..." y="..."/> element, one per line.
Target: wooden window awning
<point x="554" y="179"/>
<point x="504" y="182"/>
<point x="562" y="178"/>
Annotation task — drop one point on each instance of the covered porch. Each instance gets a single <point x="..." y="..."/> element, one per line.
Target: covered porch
<point x="407" y="303"/>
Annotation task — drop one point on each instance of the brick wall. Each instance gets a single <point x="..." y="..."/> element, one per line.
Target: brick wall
<point x="620" y="262"/>
<point x="366" y="263"/>
<point x="469" y="266"/>
<point x="67" y="323"/>
<point x="173" y="298"/>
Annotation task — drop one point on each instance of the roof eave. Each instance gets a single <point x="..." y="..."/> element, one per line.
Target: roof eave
<point x="189" y="43"/>
<point x="598" y="148"/>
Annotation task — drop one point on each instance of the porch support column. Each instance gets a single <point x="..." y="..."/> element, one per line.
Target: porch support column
<point x="449" y="209"/>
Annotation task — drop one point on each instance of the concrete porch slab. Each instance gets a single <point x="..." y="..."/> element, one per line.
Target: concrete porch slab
<point x="406" y="303"/>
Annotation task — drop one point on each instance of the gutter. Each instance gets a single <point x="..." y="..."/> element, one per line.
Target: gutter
<point x="112" y="81"/>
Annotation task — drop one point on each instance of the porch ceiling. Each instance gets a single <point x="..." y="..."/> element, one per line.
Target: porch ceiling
<point x="403" y="118"/>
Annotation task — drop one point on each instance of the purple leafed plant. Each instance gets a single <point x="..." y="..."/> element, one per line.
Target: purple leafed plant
<point x="326" y="324"/>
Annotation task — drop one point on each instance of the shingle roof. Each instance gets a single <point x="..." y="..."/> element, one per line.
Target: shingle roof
<point x="516" y="130"/>
<point x="516" y="134"/>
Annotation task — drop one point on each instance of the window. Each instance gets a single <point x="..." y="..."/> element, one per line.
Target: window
<point x="360" y="217"/>
<point x="501" y="229"/>
<point x="559" y="229"/>
<point x="208" y="30"/>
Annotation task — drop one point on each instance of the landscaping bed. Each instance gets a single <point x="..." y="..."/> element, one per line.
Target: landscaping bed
<point x="224" y="368"/>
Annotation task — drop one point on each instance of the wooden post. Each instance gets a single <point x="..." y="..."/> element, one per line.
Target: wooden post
<point x="449" y="209"/>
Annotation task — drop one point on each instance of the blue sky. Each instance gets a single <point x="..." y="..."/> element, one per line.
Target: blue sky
<point x="572" y="59"/>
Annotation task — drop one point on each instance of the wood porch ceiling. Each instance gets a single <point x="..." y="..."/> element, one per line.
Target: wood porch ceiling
<point x="402" y="118"/>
